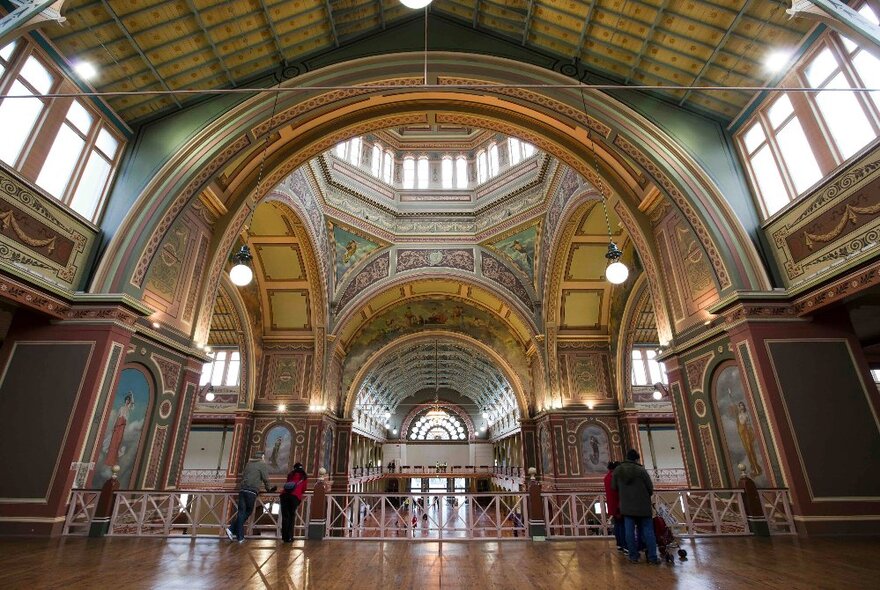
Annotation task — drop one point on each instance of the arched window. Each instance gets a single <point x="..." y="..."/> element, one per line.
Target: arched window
<point x="461" y="175"/>
<point x="387" y="166"/>
<point x="446" y="172"/>
<point x="376" y="160"/>
<point x="354" y="151"/>
<point x="481" y="166"/>
<point x="514" y="149"/>
<point x="448" y="427"/>
<point x="341" y="149"/>
<point x="409" y="172"/>
<point x="422" y="174"/>
<point x="493" y="160"/>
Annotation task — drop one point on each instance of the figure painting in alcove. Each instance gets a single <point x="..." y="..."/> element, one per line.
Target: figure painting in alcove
<point x="122" y="434"/>
<point x="546" y="452"/>
<point x="740" y="433"/>
<point x="595" y="450"/>
<point x="277" y="450"/>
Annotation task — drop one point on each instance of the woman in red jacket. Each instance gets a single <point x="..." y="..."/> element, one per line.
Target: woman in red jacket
<point x="612" y="502"/>
<point x="291" y="496"/>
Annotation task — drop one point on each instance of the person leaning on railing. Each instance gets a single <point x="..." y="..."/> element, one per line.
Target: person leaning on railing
<point x="254" y="473"/>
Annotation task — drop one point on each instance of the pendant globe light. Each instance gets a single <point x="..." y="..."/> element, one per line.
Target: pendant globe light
<point x="415" y="4"/>
<point x="241" y="274"/>
<point x="616" y="272"/>
<point x="436" y="413"/>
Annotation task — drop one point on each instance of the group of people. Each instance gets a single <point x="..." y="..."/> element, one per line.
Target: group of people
<point x="628" y="491"/>
<point x="291" y="495"/>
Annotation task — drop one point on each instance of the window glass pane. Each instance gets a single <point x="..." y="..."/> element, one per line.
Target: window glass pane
<point x="849" y="44"/>
<point x="206" y="374"/>
<point x="17" y="118"/>
<point x="481" y="166"/>
<point x="7" y="50"/>
<point x="422" y="173"/>
<point x="868" y="68"/>
<point x="354" y="151"/>
<point x="867" y="12"/>
<point x="822" y="66"/>
<point x="663" y="378"/>
<point x="340" y="150"/>
<point x="79" y="117"/>
<point x="409" y="172"/>
<point x="233" y="371"/>
<point x="493" y="160"/>
<point x="375" y="161"/>
<point x="219" y="366"/>
<point x="446" y="172"/>
<point x="754" y="137"/>
<point x="528" y="149"/>
<point x="845" y="117"/>
<point x="798" y="156"/>
<point x="770" y="183"/>
<point x="387" y="167"/>
<point x="779" y="111"/>
<point x="654" y="369"/>
<point x="513" y="148"/>
<point x="37" y="75"/>
<point x="639" y="375"/>
<point x="91" y="186"/>
<point x="62" y="158"/>
<point x="461" y="179"/>
<point x="107" y="143"/>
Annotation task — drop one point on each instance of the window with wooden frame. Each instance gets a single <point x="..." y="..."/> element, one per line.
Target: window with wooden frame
<point x="224" y="370"/>
<point x="797" y="138"/>
<point x="63" y="145"/>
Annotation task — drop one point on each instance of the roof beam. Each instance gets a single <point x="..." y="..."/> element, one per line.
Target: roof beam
<point x="721" y="42"/>
<point x="528" y="21"/>
<point x="269" y="22"/>
<point x="648" y="37"/>
<point x="583" y="34"/>
<point x="214" y="50"/>
<point x="110" y="11"/>
<point x="332" y="22"/>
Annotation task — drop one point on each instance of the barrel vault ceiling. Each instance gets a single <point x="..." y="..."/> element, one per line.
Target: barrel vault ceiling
<point x="212" y="44"/>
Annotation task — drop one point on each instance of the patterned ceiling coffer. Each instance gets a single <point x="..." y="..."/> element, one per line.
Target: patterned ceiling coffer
<point x="374" y="271"/>
<point x="457" y="258"/>
<point x="494" y="269"/>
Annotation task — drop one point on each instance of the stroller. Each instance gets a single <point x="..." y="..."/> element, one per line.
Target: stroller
<point x="663" y="523"/>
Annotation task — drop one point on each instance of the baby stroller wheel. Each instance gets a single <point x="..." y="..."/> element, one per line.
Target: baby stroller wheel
<point x="682" y="554"/>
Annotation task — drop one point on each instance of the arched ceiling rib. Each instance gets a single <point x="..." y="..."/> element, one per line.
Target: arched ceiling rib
<point x="429" y="365"/>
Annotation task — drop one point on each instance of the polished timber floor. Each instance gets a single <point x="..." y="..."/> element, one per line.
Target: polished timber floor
<point x="353" y="565"/>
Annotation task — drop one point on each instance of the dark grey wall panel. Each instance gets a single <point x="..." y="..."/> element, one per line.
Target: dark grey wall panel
<point x="835" y="428"/>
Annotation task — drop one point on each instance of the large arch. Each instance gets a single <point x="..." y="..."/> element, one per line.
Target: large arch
<point x="626" y="144"/>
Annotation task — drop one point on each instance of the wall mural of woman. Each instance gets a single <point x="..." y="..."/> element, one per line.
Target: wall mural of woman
<point x="595" y="450"/>
<point x="277" y="449"/>
<point x="738" y="427"/>
<point x="122" y="433"/>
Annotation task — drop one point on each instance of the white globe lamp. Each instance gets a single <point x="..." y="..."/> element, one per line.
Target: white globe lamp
<point x="415" y="4"/>
<point x="616" y="272"/>
<point x="241" y="274"/>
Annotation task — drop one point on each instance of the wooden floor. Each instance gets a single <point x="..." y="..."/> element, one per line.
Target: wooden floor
<point x="781" y="562"/>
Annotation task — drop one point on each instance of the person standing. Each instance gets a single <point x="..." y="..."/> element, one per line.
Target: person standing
<point x="291" y="497"/>
<point x="255" y="472"/>
<point x="635" y="488"/>
<point x="612" y="502"/>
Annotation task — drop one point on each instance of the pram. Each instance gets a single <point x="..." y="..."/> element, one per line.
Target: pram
<point x="663" y="523"/>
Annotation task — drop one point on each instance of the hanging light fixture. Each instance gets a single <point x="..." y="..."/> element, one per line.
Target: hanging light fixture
<point x="415" y="4"/>
<point x="436" y="413"/>
<point x="241" y="274"/>
<point x="616" y="272"/>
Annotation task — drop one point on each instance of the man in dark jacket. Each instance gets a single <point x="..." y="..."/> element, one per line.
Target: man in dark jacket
<point x="634" y="485"/>
<point x="255" y="472"/>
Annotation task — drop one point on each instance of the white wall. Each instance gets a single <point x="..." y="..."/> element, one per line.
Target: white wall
<point x="204" y="449"/>
<point x="666" y="448"/>
<point x="483" y="454"/>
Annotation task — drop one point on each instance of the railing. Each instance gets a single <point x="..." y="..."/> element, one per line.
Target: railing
<point x="81" y="512"/>
<point x="442" y="470"/>
<point x="196" y="514"/>
<point x="689" y="513"/>
<point x="448" y="516"/>
<point x="202" y="478"/>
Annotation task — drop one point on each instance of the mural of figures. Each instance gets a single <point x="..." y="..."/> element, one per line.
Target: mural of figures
<point x="327" y="450"/>
<point x="277" y="447"/>
<point x="595" y="450"/>
<point x="122" y="434"/>
<point x="546" y="451"/>
<point x="350" y="249"/>
<point x="738" y="426"/>
<point x="520" y="248"/>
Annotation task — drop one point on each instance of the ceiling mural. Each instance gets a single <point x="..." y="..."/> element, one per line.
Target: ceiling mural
<point x="521" y="249"/>
<point x="350" y="248"/>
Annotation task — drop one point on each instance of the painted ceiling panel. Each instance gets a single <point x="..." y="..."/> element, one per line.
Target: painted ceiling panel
<point x="289" y="309"/>
<point x="280" y="262"/>
<point x="580" y="309"/>
<point x="587" y="262"/>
